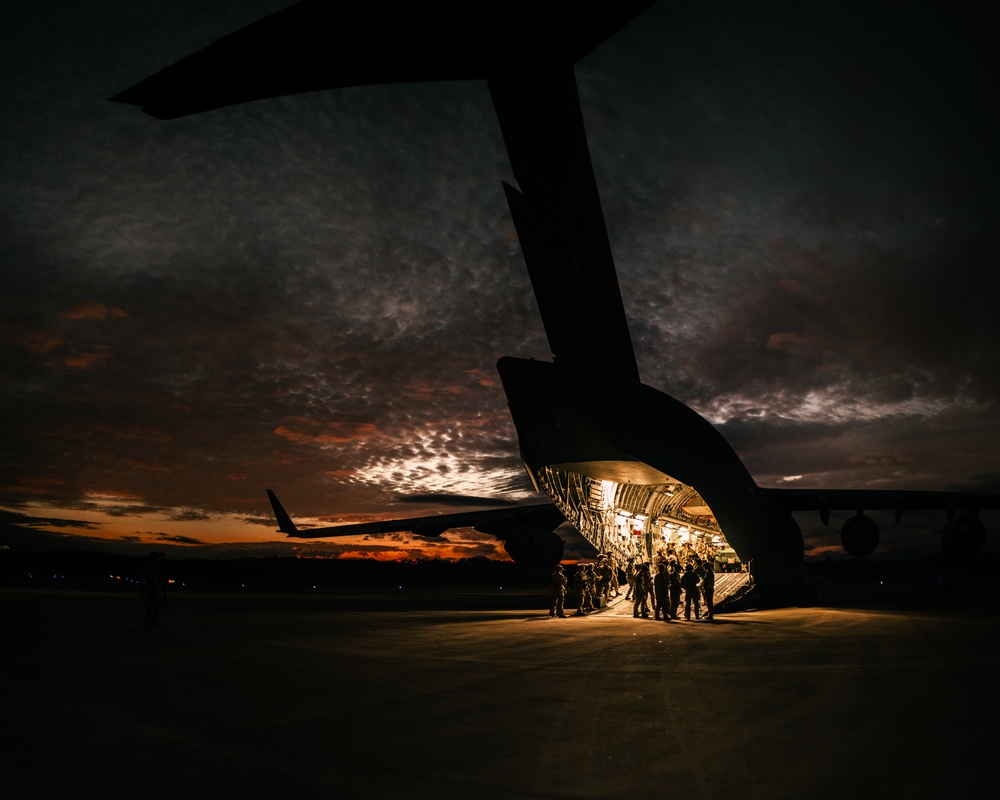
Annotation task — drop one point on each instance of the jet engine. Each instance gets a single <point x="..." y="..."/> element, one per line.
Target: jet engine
<point x="859" y="536"/>
<point x="526" y="544"/>
<point x="963" y="535"/>
<point x="533" y="547"/>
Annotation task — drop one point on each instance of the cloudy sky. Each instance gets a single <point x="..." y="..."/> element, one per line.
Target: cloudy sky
<point x="310" y="293"/>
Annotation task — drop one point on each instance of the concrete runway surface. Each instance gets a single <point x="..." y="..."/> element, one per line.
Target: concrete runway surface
<point x="424" y="695"/>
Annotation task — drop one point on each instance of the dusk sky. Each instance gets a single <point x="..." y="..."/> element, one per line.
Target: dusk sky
<point x="310" y="293"/>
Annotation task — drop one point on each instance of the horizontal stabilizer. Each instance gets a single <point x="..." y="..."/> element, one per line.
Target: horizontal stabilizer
<point x="315" y="45"/>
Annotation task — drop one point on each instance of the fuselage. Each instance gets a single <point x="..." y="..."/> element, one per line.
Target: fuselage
<point x="586" y="423"/>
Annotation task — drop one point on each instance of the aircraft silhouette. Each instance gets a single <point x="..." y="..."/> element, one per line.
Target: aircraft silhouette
<point x="615" y="456"/>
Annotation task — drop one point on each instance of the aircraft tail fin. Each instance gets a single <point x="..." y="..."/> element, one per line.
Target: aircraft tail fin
<point x="578" y="297"/>
<point x="285" y="524"/>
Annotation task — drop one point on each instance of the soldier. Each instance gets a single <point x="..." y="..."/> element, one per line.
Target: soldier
<point x="558" y="583"/>
<point x="602" y="580"/>
<point x="674" y="570"/>
<point x="589" y="587"/>
<point x="708" y="587"/>
<point x="630" y="577"/>
<point x="661" y="592"/>
<point x="580" y="589"/>
<point x="690" y="583"/>
<point x="613" y="564"/>
<point x="640" y="592"/>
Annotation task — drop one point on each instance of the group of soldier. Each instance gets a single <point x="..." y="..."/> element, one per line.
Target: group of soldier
<point x="653" y="587"/>
<point x="662" y="590"/>
<point x="593" y="584"/>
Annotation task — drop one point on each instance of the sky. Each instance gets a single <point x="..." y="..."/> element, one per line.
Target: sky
<point x="310" y="293"/>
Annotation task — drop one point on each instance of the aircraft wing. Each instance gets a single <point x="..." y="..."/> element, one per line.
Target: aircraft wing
<point x="826" y="500"/>
<point x="488" y="520"/>
<point x="527" y="532"/>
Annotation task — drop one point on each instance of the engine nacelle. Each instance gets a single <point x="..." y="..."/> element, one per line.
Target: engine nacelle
<point x="859" y="536"/>
<point x="963" y="535"/>
<point x="526" y="543"/>
<point x="534" y="548"/>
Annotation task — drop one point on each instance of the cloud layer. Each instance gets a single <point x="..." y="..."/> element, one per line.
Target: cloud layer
<point x="310" y="293"/>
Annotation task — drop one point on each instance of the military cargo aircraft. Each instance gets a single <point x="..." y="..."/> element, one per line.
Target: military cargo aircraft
<point x="627" y="465"/>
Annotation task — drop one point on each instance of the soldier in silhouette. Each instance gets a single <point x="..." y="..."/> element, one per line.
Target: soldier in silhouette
<point x="580" y="589"/>
<point x="674" y="570"/>
<point x="630" y="577"/>
<point x="613" y="564"/>
<point x="640" y="592"/>
<point x="708" y="587"/>
<point x="558" y="583"/>
<point x="589" y="587"/>
<point x="602" y="573"/>
<point x="692" y="596"/>
<point x="661" y="592"/>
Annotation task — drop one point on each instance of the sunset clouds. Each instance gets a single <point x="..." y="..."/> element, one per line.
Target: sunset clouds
<point x="310" y="293"/>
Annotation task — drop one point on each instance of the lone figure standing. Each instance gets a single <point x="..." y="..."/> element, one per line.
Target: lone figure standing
<point x="692" y="596"/>
<point x="558" y="581"/>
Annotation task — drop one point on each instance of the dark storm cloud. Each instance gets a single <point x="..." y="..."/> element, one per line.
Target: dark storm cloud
<point x="801" y="201"/>
<point x="261" y="281"/>
<point x="888" y="326"/>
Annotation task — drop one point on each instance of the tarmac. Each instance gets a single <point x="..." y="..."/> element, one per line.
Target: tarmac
<point x="462" y="695"/>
